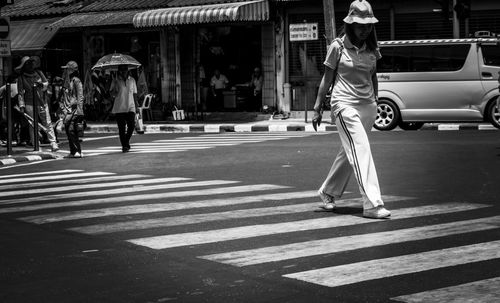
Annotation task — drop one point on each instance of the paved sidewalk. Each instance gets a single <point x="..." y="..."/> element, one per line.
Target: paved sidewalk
<point x="26" y="154"/>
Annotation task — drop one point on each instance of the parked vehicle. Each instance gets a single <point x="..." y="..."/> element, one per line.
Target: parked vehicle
<point x="453" y="80"/>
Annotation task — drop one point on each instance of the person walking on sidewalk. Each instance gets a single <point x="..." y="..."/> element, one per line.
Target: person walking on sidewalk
<point x="71" y="105"/>
<point x="32" y="83"/>
<point x="124" y="88"/>
<point x="350" y="66"/>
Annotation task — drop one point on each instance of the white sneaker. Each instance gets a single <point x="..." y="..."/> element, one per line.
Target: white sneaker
<point x="378" y="212"/>
<point x="54" y="147"/>
<point x="328" y="201"/>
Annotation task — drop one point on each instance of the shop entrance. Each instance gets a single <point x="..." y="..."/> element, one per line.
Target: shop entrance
<point x="234" y="51"/>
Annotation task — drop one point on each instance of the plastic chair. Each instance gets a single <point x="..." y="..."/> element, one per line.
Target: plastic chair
<point x="146" y="106"/>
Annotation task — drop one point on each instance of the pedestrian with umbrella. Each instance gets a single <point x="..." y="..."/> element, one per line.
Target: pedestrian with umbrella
<point x="124" y="89"/>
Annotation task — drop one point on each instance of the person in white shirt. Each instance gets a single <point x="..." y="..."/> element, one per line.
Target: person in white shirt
<point x="350" y="66"/>
<point x="218" y="84"/>
<point x="124" y="90"/>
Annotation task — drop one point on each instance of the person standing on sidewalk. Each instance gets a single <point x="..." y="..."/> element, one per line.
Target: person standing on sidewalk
<point x="125" y="106"/>
<point x="71" y="105"/>
<point x="32" y="83"/>
<point x="350" y="66"/>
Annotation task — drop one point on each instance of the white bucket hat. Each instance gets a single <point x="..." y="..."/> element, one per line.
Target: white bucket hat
<point x="360" y="12"/>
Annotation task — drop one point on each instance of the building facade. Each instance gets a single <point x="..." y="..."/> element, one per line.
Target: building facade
<point x="181" y="43"/>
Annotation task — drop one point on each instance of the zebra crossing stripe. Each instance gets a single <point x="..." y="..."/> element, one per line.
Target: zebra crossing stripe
<point x="171" y="220"/>
<point x="389" y="267"/>
<point x="342" y="244"/>
<point x="243" y="232"/>
<point x="156" y="207"/>
<point x="71" y="181"/>
<point x="116" y="191"/>
<point x="90" y="186"/>
<point x="484" y="291"/>
<point x="142" y="197"/>
<point x="64" y="171"/>
<point x="55" y="177"/>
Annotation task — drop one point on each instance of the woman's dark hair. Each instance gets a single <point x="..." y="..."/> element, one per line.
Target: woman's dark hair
<point x="75" y="73"/>
<point x="371" y="41"/>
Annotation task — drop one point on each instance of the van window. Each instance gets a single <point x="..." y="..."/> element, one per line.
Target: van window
<point x="491" y="54"/>
<point x="422" y="58"/>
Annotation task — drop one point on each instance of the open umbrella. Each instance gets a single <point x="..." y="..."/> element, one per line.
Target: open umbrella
<point x="112" y="61"/>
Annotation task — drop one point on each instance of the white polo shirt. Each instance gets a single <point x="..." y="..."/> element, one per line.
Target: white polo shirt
<point x="124" y="100"/>
<point x="353" y="83"/>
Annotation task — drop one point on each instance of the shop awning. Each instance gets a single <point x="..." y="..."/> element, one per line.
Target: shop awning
<point x="29" y="35"/>
<point x="224" y="12"/>
<point x="106" y="18"/>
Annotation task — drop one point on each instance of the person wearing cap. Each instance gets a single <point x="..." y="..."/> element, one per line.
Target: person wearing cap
<point x="124" y="90"/>
<point x="350" y="66"/>
<point x="32" y="83"/>
<point x="71" y="105"/>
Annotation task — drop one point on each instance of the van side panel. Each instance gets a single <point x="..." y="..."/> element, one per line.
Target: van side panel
<point x="423" y="94"/>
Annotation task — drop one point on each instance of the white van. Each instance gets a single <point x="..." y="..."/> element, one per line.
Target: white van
<point x="454" y="80"/>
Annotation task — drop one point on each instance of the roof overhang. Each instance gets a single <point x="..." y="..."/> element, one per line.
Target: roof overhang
<point x="257" y="10"/>
<point x="107" y="18"/>
<point x="31" y="35"/>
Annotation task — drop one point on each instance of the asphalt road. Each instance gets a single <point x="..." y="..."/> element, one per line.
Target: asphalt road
<point x="234" y="218"/>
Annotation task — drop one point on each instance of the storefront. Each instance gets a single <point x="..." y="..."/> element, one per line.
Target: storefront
<point x="233" y="38"/>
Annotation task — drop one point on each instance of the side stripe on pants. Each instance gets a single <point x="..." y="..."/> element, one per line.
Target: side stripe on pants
<point x="354" y="155"/>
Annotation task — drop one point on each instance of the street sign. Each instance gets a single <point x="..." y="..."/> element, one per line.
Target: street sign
<point x="4" y="27"/>
<point x="303" y="31"/>
<point x="5" y="48"/>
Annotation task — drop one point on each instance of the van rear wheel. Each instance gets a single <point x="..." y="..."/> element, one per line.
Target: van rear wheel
<point x="493" y="114"/>
<point x="387" y="115"/>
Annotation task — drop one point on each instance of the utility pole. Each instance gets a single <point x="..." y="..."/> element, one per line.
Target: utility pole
<point x="329" y="14"/>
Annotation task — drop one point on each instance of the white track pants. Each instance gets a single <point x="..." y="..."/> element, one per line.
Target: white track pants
<point x="353" y="123"/>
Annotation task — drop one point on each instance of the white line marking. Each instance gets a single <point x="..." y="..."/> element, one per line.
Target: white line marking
<point x="340" y="244"/>
<point x="211" y="236"/>
<point x="485" y="291"/>
<point x="56" y="177"/>
<point x="143" y="197"/>
<point x="395" y="266"/>
<point x="71" y="181"/>
<point x="182" y="220"/>
<point x="81" y="187"/>
<point x="161" y="207"/>
<point x="64" y="171"/>
<point x="110" y="192"/>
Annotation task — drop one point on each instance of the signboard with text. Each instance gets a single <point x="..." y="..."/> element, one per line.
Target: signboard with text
<point x="5" y="48"/>
<point x="303" y="31"/>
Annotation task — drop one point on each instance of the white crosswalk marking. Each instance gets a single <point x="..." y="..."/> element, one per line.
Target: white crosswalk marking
<point x="197" y="143"/>
<point x="90" y="186"/>
<point x="173" y="212"/>
<point x="190" y="219"/>
<point x="117" y="191"/>
<point x="389" y="267"/>
<point x="150" y="208"/>
<point x="40" y="173"/>
<point x="211" y="236"/>
<point x="339" y="244"/>
<point x="488" y="289"/>
<point x="55" y="177"/>
<point x="71" y="181"/>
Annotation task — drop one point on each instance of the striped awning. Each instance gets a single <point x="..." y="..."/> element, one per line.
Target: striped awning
<point x="224" y="12"/>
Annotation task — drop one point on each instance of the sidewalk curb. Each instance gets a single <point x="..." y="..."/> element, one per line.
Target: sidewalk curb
<point x="6" y="160"/>
<point x="264" y="127"/>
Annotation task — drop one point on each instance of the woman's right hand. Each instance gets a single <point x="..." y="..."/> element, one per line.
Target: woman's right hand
<point x="316" y="120"/>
